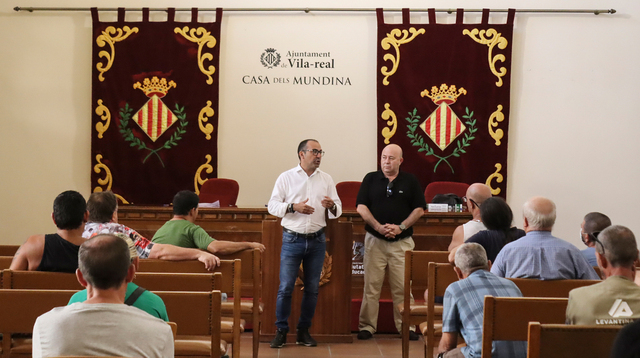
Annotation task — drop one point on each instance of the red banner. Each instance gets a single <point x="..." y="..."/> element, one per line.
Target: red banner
<point x="154" y="106"/>
<point x="443" y="96"/>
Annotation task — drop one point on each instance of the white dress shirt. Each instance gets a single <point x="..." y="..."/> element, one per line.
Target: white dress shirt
<point x="295" y="186"/>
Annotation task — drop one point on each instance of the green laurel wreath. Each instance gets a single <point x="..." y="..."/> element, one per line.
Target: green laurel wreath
<point x="127" y="133"/>
<point x="418" y="141"/>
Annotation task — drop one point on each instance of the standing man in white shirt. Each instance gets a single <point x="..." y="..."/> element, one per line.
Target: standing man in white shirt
<point x="300" y="197"/>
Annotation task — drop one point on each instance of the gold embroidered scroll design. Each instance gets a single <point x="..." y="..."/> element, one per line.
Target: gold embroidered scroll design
<point x="107" y="39"/>
<point x="105" y="115"/>
<point x="201" y="37"/>
<point x="197" y="180"/>
<point x="491" y="39"/>
<point x="206" y="113"/>
<point x="498" y="177"/>
<point x="389" y="116"/>
<point x="496" y="117"/>
<point x="107" y="180"/>
<point x="394" y="39"/>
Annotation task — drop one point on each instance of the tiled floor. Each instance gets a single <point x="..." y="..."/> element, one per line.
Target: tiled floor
<point x="381" y="345"/>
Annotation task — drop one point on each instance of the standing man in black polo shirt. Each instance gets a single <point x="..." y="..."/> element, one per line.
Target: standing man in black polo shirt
<point x="390" y="202"/>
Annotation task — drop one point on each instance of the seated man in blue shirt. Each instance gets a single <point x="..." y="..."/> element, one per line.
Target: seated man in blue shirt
<point x="539" y="254"/>
<point x="464" y="305"/>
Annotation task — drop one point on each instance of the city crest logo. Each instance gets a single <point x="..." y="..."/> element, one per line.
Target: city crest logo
<point x="443" y="126"/>
<point x="270" y="58"/>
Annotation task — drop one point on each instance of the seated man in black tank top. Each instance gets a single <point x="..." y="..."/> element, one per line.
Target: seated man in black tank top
<point x="59" y="251"/>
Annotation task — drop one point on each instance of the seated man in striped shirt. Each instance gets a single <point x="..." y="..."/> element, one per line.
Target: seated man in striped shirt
<point x="463" y="308"/>
<point x="539" y="254"/>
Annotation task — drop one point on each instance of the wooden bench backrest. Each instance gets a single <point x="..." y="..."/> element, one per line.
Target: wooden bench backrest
<point x="557" y="288"/>
<point x="195" y="313"/>
<point x="440" y="277"/>
<point x="559" y="340"/>
<point x="8" y="250"/>
<point x="5" y="262"/>
<point x="251" y="271"/>
<point x="20" y="308"/>
<point x="507" y="318"/>
<point x="152" y="281"/>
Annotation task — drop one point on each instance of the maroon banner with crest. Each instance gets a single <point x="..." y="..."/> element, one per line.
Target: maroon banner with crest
<point x="154" y="106"/>
<point x="443" y="96"/>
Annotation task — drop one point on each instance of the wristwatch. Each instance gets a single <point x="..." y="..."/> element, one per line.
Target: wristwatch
<point x="402" y="227"/>
<point x="290" y="208"/>
<point x="334" y="207"/>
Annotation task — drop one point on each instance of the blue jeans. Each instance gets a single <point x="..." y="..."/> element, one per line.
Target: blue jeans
<point x="294" y="251"/>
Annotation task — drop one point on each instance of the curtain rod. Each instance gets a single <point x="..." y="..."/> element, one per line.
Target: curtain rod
<point x="308" y="10"/>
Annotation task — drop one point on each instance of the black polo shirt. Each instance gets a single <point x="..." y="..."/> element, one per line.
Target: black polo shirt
<point x="405" y="196"/>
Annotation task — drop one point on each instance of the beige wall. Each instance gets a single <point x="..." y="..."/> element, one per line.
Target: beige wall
<point x="574" y="114"/>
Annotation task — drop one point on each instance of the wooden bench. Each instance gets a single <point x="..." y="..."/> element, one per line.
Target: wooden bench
<point x="507" y="318"/>
<point x="19" y="310"/>
<point x="564" y="341"/>
<point x="440" y="277"/>
<point x="415" y="281"/>
<point x="228" y="268"/>
<point x="251" y="285"/>
<point x="226" y="280"/>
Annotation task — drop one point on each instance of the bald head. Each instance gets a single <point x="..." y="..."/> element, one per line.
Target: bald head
<point x="390" y="160"/>
<point x="540" y="214"/>
<point x="478" y="192"/>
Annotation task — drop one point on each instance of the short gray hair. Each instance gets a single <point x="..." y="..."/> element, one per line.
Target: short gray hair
<point x="471" y="256"/>
<point x="539" y="216"/>
<point x="618" y="245"/>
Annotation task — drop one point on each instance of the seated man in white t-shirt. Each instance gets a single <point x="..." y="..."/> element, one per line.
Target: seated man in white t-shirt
<point x="102" y="325"/>
<point x="476" y="194"/>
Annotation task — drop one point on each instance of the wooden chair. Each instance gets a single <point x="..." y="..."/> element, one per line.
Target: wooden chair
<point x="197" y="315"/>
<point x="40" y="280"/>
<point x="251" y="277"/>
<point x="544" y="288"/>
<point x="415" y="281"/>
<point x="348" y="192"/>
<point x="440" y="276"/>
<point x="507" y="318"/>
<point x="224" y="190"/>
<point x="565" y="341"/>
<point x="8" y="250"/>
<point x="229" y="268"/>
<point x="19" y="310"/>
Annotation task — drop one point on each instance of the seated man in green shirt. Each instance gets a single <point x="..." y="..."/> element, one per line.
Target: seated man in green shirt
<point x="181" y="230"/>
<point x="136" y="296"/>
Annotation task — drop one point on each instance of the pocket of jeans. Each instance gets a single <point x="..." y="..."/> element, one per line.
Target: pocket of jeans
<point x="288" y="238"/>
<point x="322" y="238"/>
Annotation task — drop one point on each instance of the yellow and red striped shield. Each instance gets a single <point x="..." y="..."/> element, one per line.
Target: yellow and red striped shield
<point x="154" y="118"/>
<point x="443" y="126"/>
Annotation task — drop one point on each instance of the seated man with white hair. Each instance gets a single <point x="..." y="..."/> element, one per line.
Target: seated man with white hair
<point x="539" y="254"/>
<point x="463" y="308"/>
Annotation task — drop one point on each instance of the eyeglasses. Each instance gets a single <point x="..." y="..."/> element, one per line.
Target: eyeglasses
<point x="464" y="199"/>
<point x="594" y="237"/>
<point x="389" y="191"/>
<point x="315" y="152"/>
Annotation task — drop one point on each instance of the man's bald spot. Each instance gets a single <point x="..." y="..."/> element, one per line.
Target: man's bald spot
<point x="540" y="212"/>
<point x="393" y="149"/>
<point x="479" y="192"/>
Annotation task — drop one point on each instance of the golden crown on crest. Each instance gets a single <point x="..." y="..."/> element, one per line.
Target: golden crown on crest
<point x="156" y="86"/>
<point x="445" y="93"/>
